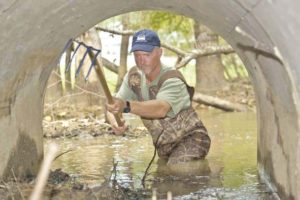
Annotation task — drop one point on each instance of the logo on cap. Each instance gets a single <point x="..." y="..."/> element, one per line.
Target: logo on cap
<point x="141" y="38"/>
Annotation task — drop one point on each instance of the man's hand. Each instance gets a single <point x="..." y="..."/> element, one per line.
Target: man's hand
<point x="116" y="107"/>
<point x="119" y="130"/>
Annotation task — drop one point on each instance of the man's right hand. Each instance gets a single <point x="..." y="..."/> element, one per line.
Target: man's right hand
<point x="119" y="130"/>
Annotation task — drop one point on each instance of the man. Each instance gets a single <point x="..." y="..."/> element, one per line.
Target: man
<point x="161" y="97"/>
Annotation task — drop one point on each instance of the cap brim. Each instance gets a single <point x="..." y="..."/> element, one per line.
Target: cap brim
<point x="142" y="47"/>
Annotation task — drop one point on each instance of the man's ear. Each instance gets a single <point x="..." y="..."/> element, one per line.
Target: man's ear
<point x="160" y="52"/>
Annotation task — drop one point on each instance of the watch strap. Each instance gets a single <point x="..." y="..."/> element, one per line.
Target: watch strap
<point x="127" y="109"/>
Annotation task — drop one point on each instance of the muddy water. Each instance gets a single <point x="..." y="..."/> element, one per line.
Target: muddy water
<point x="229" y="172"/>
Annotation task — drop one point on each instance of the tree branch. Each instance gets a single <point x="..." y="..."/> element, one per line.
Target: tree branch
<point x="218" y="103"/>
<point x="184" y="57"/>
<point x="206" y="51"/>
<point x="179" y="52"/>
<point x="124" y="32"/>
<point x="110" y="65"/>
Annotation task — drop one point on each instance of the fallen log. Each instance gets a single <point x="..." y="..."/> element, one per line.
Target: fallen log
<point x="218" y="103"/>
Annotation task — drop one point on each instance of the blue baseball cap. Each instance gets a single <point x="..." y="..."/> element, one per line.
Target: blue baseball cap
<point x="145" y="40"/>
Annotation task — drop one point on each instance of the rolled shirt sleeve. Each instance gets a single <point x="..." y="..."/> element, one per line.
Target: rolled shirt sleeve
<point x="174" y="92"/>
<point x="125" y="92"/>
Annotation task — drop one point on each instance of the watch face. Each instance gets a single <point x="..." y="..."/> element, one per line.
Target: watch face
<point x="126" y="110"/>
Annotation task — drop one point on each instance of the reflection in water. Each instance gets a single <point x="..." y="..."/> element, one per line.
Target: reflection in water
<point x="184" y="178"/>
<point x="229" y="172"/>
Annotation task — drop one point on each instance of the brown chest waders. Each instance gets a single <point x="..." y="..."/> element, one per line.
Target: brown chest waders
<point x="180" y="139"/>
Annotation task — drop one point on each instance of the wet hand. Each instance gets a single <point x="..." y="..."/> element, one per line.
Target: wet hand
<point x="119" y="130"/>
<point x="116" y="107"/>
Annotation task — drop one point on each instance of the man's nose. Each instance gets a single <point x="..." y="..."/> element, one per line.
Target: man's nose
<point x="141" y="59"/>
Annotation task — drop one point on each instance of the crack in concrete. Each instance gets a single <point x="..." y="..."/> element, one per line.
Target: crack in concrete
<point x="9" y="6"/>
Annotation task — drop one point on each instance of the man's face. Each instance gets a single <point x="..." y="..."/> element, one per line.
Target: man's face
<point x="148" y="61"/>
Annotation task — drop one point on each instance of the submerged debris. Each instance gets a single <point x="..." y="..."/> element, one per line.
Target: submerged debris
<point x="84" y="127"/>
<point x="62" y="185"/>
<point x="58" y="176"/>
<point x="75" y="127"/>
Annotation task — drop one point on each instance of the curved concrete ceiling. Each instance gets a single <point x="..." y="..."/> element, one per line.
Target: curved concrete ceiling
<point x="264" y="33"/>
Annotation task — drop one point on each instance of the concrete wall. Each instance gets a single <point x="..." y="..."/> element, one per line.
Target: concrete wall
<point x="264" y="33"/>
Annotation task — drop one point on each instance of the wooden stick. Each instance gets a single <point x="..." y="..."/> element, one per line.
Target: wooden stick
<point x="44" y="173"/>
<point x="154" y="196"/>
<point x="169" y="195"/>
<point x="104" y="85"/>
<point x="15" y="178"/>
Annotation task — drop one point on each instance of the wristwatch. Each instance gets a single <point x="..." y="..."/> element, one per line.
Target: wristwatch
<point x="127" y="109"/>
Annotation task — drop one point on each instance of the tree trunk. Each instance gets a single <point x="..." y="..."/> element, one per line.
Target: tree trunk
<point x="209" y="69"/>
<point x="123" y="52"/>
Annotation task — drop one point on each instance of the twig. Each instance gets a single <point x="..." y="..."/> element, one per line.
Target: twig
<point x="52" y="113"/>
<point x="44" y="173"/>
<point x="62" y="154"/>
<point x="9" y="191"/>
<point x="13" y="173"/>
<point x="58" y="100"/>
<point x="53" y="84"/>
<point x="70" y="95"/>
<point x="80" y="88"/>
<point x="114" y="181"/>
<point x="4" y="185"/>
<point x="153" y="157"/>
<point x="154" y="195"/>
<point x="169" y="195"/>
<point x="129" y="32"/>
<point x="114" y="171"/>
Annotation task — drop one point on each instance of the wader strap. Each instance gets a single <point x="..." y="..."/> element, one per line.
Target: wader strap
<point x="134" y="82"/>
<point x="175" y="74"/>
<point x="166" y="75"/>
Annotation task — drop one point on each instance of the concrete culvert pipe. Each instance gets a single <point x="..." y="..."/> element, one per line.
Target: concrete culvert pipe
<point x="264" y="33"/>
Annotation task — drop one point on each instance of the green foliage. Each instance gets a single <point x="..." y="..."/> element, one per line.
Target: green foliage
<point x="234" y="67"/>
<point x="174" y="29"/>
<point x="189" y="74"/>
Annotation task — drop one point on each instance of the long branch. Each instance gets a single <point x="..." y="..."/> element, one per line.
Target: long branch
<point x="76" y="86"/>
<point x="124" y="32"/>
<point x="83" y="91"/>
<point x="185" y="56"/>
<point x="44" y="172"/>
<point x="179" y="52"/>
<point x="110" y="65"/>
<point x="206" y="51"/>
<point x="218" y="103"/>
